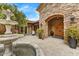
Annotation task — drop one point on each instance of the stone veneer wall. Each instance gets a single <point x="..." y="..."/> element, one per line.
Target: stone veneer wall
<point x="65" y="9"/>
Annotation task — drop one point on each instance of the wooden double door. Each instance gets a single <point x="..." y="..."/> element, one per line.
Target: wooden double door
<point x="56" y="26"/>
<point x="59" y="28"/>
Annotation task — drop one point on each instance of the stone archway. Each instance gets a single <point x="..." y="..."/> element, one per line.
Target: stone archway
<point x="56" y="25"/>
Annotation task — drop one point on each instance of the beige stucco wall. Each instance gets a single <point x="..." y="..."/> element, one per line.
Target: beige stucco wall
<point x="63" y="9"/>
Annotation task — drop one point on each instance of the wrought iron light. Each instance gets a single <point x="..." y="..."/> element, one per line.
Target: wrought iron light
<point x="72" y="18"/>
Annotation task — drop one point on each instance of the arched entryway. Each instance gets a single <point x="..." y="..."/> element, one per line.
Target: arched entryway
<point x="56" y="25"/>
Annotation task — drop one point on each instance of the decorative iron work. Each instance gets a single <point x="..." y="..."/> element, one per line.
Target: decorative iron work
<point x="72" y="18"/>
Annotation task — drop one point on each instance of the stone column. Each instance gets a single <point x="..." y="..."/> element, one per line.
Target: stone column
<point x="8" y="29"/>
<point x="45" y="27"/>
<point x="27" y="29"/>
<point x="66" y="25"/>
<point x="23" y="29"/>
<point x="8" y="49"/>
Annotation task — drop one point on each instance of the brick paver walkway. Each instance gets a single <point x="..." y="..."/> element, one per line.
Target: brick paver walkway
<point x="50" y="46"/>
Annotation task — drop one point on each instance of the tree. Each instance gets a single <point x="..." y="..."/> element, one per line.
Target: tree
<point x="2" y="16"/>
<point x="13" y="18"/>
<point x="22" y="20"/>
<point x="18" y="15"/>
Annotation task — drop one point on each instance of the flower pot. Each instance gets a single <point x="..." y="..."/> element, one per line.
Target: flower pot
<point x="72" y="42"/>
<point x="40" y="36"/>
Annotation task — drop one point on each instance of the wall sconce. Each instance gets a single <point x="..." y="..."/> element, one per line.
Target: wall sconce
<point x="41" y="25"/>
<point x="72" y="18"/>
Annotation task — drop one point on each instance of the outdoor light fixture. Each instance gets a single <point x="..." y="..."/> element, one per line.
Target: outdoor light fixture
<point x="41" y="25"/>
<point x="72" y="18"/>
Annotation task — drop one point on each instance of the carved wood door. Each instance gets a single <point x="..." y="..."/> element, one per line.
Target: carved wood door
<point x="59" y="28"/>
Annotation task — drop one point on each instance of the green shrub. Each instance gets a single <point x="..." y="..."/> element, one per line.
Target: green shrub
<point x="40" y="30"/>
<point x="40" y="33"/>
<point x="2" y="16"/>
<point x="72" y="31"/>
<point x="13" y="18"/>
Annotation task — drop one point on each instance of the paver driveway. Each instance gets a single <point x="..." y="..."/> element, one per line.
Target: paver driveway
<point x="50" y="46"/>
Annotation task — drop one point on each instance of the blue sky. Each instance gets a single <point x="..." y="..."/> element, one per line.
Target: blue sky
<point x="29" y="9"/>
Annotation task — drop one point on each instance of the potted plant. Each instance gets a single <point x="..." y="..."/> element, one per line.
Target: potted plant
<point x="40" y="32"/>
<point x="72" y="36"/>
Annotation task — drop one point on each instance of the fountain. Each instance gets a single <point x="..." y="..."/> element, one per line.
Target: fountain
<point x="8" y="37"/>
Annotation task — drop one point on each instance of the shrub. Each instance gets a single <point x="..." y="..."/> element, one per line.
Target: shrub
<point x="13" y="18"/>
<point x="72" y="31"/>
<point x="40" y="32"/>
<point x="2" y="16"/>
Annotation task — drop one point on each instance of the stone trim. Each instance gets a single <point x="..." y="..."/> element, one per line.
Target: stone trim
<point x="42" y="5"/>
<point x="51" y="17"/>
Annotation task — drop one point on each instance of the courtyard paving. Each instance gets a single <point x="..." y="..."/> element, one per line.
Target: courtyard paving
<point x="50" y="46"/>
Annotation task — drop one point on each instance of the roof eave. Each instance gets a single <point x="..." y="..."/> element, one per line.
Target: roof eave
<point x="42" y="5"/>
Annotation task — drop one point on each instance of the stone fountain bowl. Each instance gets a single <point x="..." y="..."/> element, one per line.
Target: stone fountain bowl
<point x="7" y="38"/>
<point x="27" y="49"/>
<point x="24" y="50"/>
<point x="9" y="22"/>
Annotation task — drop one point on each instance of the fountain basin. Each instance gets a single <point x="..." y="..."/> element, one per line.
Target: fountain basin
<point x="8" y="37"/>
<point x="7" y="40"/>
<point x="10" y="22"/>
<point x="27" y="49"/>
<point x="24" y="49"/>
